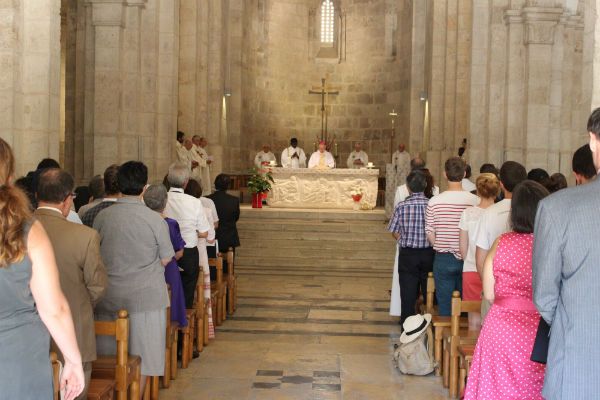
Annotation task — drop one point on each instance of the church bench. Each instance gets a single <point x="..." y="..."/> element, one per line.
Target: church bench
<point x="465" y="357"/>
<point x="187" y="337"/>
<point x="231" y="281"/>
<point x="123" y="368"/>
<point x="219" y="289"/>
<point x="199" y="314"/>
<point x="171" y="331"/>
<point x="101" y="389"/>
<point x="55" y="375"/>
<point x="151" y="388"/>
<point x="440" y="324"/>
<point x="456" y="337"/>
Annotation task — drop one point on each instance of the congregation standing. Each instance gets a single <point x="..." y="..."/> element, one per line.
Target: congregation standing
<point x="127" y="243"/>
<point x="523" y="245"/>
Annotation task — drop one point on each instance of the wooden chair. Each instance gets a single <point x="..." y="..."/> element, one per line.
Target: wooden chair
<point x="101" y="389"/>
<point x="454" y="337"/>
<point x="123" y="368"/>
<point x="187" y="338"/>
<point x="151" y="388"/>
<point x="231" y="281"/>
<point x="465" y="357"/>
<point x="218" y="289"/>
<point x="199" y="314"/>
<point x="169" y="349"/>
<point x="55" y="375"/>
<point x="439" y="323"/>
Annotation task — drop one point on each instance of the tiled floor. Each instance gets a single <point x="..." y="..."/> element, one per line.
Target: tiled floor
<point x="304" y="337"/>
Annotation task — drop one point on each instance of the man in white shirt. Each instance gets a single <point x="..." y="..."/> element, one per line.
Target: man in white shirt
<point x="358" y="158"/>
<point x="204" y="163"/>
<point x="402" y="191"/>
<point x="494" y="220"/>
<point x="293" y="156"/>
<point x="264" y="157"/>
<point x="467" y="185"/>
<point x="189" y="212"/>
<point x="321" y="159"/>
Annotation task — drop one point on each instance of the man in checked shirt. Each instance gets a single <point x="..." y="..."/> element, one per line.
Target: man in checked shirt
<point x="415" y="259"/>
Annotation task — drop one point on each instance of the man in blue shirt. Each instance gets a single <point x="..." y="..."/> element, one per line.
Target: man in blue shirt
<point x="415" y="259"/>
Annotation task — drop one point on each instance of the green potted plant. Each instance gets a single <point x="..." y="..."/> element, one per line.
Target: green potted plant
<point x="258" y="185"/>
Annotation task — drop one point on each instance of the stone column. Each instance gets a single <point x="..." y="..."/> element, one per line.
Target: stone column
<point x="540" y="25"/>
<point x="591" y="54"/>
<point x="107" y="22"/>
<point x="30" y="87"/>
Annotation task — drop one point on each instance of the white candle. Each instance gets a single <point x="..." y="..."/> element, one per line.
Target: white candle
<point x="370" y="164"/>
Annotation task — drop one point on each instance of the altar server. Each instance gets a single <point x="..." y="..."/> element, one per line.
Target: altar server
<point x="204" y="163"/>
<point x="293" y="156"/>
<point x="358" y="158"/>
<point x="401" y="164"/>
<point x="264" y="157"/>
<point x="321" y="159"/>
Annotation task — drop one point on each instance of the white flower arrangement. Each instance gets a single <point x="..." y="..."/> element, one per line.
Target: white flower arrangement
<point x="356" y="191"/>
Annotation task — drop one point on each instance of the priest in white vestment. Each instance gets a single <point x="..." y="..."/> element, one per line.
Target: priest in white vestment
<point x="204" y="162"/>
<point x="180" y="151"/>
<point x="401" y="164"/>
<point x="321" y="159"/>
<point x="358" y="158"/>
<point x="293" y="156"/>
<point x="264" y="157"/>
<point x="187" y="155"/>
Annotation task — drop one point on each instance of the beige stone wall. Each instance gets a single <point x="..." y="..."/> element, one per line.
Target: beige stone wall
<point x="279" y="67"/>
<point x="29" y="88"/>
<point x="122" y="84"/>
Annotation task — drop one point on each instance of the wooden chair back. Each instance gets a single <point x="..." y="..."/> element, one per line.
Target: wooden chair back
<point x="230" y="262"/>
<point x="217" y="263"/>
<point x="120" y="330"/>
<point x="460" y="306"/>
<point x="55" y="374"/>
<point x="429" y="299"/>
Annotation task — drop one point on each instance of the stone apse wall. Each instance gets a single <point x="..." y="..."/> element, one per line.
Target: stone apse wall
<point x="369" y="66"/>
<point x="516" y="77"/>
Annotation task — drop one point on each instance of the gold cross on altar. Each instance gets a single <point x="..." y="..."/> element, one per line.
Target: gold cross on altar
<point x="324" y="91"/>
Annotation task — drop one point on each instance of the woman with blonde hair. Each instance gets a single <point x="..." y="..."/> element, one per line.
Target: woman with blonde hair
<point x="488" y="187"/>
<point x="31" y="301"/>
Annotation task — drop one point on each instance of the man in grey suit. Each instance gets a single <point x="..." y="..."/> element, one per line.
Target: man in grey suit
<point x="566" y="283"/>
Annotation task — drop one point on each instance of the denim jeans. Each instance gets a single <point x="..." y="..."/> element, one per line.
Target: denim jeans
<point x="447" y="273"/>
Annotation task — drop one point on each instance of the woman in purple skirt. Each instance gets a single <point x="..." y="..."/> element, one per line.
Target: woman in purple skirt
<point x="155" y="198"/>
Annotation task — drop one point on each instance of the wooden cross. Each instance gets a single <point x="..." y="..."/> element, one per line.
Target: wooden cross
<point x="324" y="91"/>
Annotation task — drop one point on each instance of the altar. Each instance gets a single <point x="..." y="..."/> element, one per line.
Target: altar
<point x="328" y="188"/>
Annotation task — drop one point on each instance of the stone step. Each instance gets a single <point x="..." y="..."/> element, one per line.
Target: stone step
<point x="314" y="226"/>
<point x="284" y="244"/>
<point x="291" y="213"/>
<point x="324" y="262"/>
<point x="314" y="236"/>
<point x="289" y="254"/>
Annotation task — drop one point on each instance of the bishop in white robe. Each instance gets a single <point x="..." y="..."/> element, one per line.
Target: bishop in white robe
<point x="321" y="159"/>
<point x="293" y="156"/>
<point x="358" y="158"/>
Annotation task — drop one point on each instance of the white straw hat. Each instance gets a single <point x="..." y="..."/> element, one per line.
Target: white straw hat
<point x="413" y="326"/>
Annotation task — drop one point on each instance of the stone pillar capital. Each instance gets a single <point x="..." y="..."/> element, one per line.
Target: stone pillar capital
<point x="540" y="23"/>
<point x="107" y="12"/>
<point x="513" y="17"/>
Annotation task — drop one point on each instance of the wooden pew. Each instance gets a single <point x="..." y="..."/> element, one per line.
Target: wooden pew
<point x="171" y="331"/>
<point x="55" y="375"/>
<point x="218" y="290"/>
<point x="439" y="323"/>
<point x="465" y="357"/>
<point x="101" y="389"/>
<point x="123" y="368"/>
<point x="231" y="280"/>
<point x="455" y="337"/>
<point x="199" y="314"/>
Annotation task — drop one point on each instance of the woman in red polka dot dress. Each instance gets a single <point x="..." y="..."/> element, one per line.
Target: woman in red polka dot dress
<point x="501" y="368"/>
